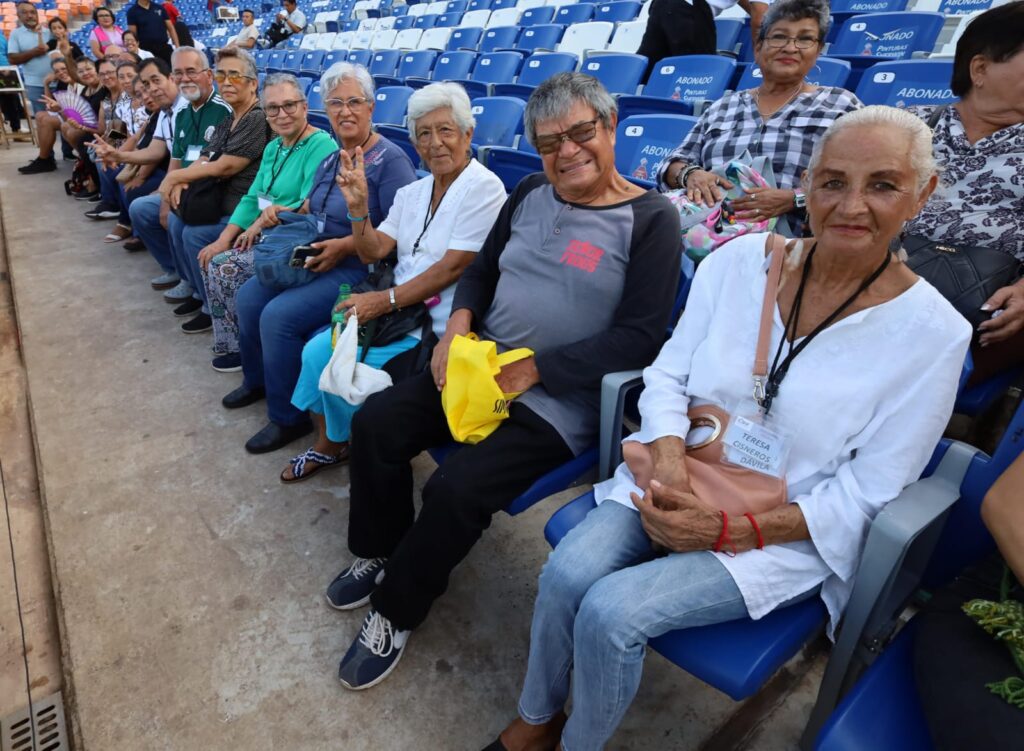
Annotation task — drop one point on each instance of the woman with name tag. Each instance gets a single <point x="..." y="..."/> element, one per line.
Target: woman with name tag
<point x="781" y="119"/>
<point x="273" y="325"/>
<point x="826" y="372"/>
<point x="435" y="227"/>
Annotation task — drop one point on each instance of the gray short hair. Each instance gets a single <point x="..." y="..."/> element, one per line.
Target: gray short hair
<point x="438" y="96"/>
<point x="281" y="79"/>
<point x="556" y="96"/>
<point x="796" y="10"/>
<point x="248" y="61"/>
<point x="204" y="63"/>
<point x="922" y="158"/>
<point x="340" y="71"/>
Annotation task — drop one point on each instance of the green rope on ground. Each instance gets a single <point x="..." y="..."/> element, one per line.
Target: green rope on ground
<point x="1005" y="621"/>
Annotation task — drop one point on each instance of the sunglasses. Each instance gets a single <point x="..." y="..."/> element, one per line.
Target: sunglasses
<point x="579" y="133"/>
<point x="235" y="79"/>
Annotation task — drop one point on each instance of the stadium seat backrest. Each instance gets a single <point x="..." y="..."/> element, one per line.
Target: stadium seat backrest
<point x="456" y="6"/>
<point x="359" y="57"/>
<point x="617" y="12"/>
<point x="384" y="62"/>
<point x="524" y="5"/>
<point x="497" y="67"/>
<point x="827" y="71"/>
<point x="437" y="7"/>
<point x="541" y="66"/>
<point x="326" y="41"/>
<point x="727" y="33"/>
<point x="453" y="65"/>
<point x="499" y="119"/>
<point x="691" y="78"/>
<point x="418" y="9"/>
<point x="383" y="40"/>
<point x="292" y="61"/>
<point x="475" y="18"/>
<point x="543" y="36"/>
<point x="361" y="40"/>
<point x="448" y="20"/>
<point x="418" y="64"/>
<point x="534" y="16"/>
<point x="315" y="98"/>
<point x="407" y="39"/>
<point x="860" y="7"/>
<point x="503" y="17"/>
<point x="960" y="7"/>
<point x="426" y="21"/>
<point x="478" y="5"/>
<point x="501" y="36"/>
<point x="434" y="39"/>
<point x="642" y="142"/>
<point x="309" y="42"/>
<point x="906" y="83"/>
<point x="386" y="23"/>
<point x="575" y="13"/>
<point x="582" y="37"/>
<point x="619" y="72"/>
<point x="312" y="62"/>
<point x="499" y="4"/>
<point x="368" y="24"/>
<point x="465" y="38"/>
<point x="404" y="22"/>
<point x="390" y="104"/>
<point x="627" y="36"/>
<point x="894" y="35"/>
<point x="343" y="40"/>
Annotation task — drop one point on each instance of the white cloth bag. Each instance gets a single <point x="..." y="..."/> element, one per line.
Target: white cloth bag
<point x="345" y="377"/>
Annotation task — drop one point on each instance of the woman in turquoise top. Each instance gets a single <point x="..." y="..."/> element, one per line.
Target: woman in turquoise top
<point x="285" y="178"/>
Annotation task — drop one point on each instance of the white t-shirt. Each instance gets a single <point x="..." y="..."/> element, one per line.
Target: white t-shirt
<point x="865" y="403"/>
<point x="165" y="125"/>
<point x="247" y="32"/>
<point x="462" y="222"/>
<point x="298" y="18"/>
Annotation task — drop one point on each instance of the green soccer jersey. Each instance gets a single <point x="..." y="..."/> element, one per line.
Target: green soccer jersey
<point x="193" y="128"/>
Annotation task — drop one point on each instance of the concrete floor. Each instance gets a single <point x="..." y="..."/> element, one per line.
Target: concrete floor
<point x="190" y="582"/>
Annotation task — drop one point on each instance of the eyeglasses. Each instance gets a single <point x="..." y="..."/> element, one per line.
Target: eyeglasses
<point x="444" y="133"/>
<point x="273" y="110"/>
<point x="235" y="79"/>
<point x="778" y="41"/>
<point x="354" y="103"/>
<point x="187" y="73"/>
<point x="578" y="133"/>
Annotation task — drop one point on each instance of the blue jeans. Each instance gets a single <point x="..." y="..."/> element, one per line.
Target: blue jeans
<point x="145" y="217"/>
<point x="126" y="198"/>
<point x="108" y="185"/>
<point x="603" y="594"/>
<point x="186" y="251"/>
<point x="273" y="326"/>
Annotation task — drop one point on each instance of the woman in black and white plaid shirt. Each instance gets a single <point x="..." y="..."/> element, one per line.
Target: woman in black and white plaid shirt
<point x="781" y="119"/>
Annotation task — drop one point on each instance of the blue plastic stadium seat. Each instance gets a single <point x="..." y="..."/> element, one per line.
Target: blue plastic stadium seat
<point x="826" y="72"/>
<point x="399" y="135"/>
<point x="643" y="141"/>
<point x="727" y="32"/>
<point x="490" y="68"/>
<point x="391" y="103"/>
<point x="576" y="13"/>
<point x="275" y="61"/>
<point x="478" y="5"/>
<point x="499" y="119"/>
<point x="466" y="38"/>
<point x="617" y="12"/>
<point x="312" y="62"/>
<point x="619" y="72"/>
<point x="736" y="657"/>
<point x="512" y="165"/>
<point x="384" y="62"/>
<point x="677" y="83"/>
<point x="867" y="39"/>
<point x="542" y="36"/>
<point x="535" y="16"/>
<point x="333" y="56"/>
<point x="499" y="4"/>
<point x="426" y="21"/>
<point x="450" y="66"/>
<point x="416" y="64"/>
<point x="499" y="37"/>
<point x="456" y="6"/>
<point x="906" y="83"/>
<point x="536" y="69"/>
<point x="404" y="22"/>
<point x="360" y="57"/>
<point x="843" y="10"/>
<point x="448" y="20"/>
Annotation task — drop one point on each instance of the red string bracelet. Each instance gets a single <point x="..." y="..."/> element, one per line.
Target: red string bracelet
<point x="724" y="538"/>
<point x="757" y="529"/>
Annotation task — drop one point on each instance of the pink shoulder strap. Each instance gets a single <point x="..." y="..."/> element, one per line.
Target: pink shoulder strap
<point x="775" y="247"/>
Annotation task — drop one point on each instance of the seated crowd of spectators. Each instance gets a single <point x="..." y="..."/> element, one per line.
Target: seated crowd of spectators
<point x="210" y="174"/>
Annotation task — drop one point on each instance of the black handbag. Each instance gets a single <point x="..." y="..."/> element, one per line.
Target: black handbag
<point x="966" y="275"/>
<point x="392" y="326"/>
<point x="201" y="202"/>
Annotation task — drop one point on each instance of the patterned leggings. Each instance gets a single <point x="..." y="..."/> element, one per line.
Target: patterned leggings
<point x="224" y="276"/>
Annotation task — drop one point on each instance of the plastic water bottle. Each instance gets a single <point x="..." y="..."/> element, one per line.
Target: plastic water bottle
<point x="338" y="314"/>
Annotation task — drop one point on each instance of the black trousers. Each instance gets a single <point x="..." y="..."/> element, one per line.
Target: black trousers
<point x="159" y="49"/>
<point x="675" y="27"/>
<point x="459" y="499"/>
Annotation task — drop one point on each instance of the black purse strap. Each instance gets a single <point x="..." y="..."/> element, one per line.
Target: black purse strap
<point x="936" y="115"/>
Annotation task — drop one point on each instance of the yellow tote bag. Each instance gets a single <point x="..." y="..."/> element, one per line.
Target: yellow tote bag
<point x="471" y="398"/>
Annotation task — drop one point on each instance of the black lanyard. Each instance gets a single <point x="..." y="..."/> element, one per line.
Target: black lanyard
<point x="275" y="171"/>
<point x="778" y="371"/>
<point x="429" y="218"/>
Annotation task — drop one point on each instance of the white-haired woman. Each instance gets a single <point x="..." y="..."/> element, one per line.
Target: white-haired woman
<point x="846" y="307"/>
<point x="273" y="325"/>
<point x="781" y="119"/>
<point x="436" y="226"/>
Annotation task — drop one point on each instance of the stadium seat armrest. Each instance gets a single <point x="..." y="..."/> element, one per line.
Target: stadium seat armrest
<point x="614" y="388"/>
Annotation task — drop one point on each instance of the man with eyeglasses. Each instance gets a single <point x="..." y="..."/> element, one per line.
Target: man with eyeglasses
<point x="687" y="27"/>
<point x="152" y="26"/>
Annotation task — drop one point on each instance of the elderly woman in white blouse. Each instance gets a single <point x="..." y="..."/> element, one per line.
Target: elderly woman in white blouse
<point x="436" y="226"/>
<point x="865" y="359"/>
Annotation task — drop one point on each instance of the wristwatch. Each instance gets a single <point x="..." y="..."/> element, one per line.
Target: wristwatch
<point x="799" y="199"/>
<point x="391" y="298"/>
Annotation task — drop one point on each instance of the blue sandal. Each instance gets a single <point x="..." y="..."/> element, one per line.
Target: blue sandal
<point x="322" y="461"/>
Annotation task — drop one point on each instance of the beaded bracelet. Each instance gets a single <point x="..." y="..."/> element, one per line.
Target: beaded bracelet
<point x="355" y="218"/>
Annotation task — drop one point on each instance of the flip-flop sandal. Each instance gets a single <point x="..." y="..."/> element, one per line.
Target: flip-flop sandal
<point x="119" y="234"/>
<point x="496" y="746"/>
<point x="323" y="461"/>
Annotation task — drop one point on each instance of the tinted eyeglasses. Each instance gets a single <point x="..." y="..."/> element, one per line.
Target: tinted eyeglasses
<point x="354" y="103"/>
<point x="235" y="79"/>
<point x="778" y="41"/>
<point x="273" y="110"/>
<point x="579" y="133"/>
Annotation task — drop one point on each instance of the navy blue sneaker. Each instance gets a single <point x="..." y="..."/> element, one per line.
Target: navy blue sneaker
<point x="352" y="588"/>
<point x="374" y="653"/>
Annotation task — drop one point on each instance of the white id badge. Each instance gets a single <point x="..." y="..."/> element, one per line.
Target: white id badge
<point x="321" y="222"/>
<point x="754" y="441"/>
<point x="263" y="201"/>
<point x="192" y="153"/>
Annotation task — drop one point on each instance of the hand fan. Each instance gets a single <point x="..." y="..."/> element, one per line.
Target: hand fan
<point x="75" y="107"/>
